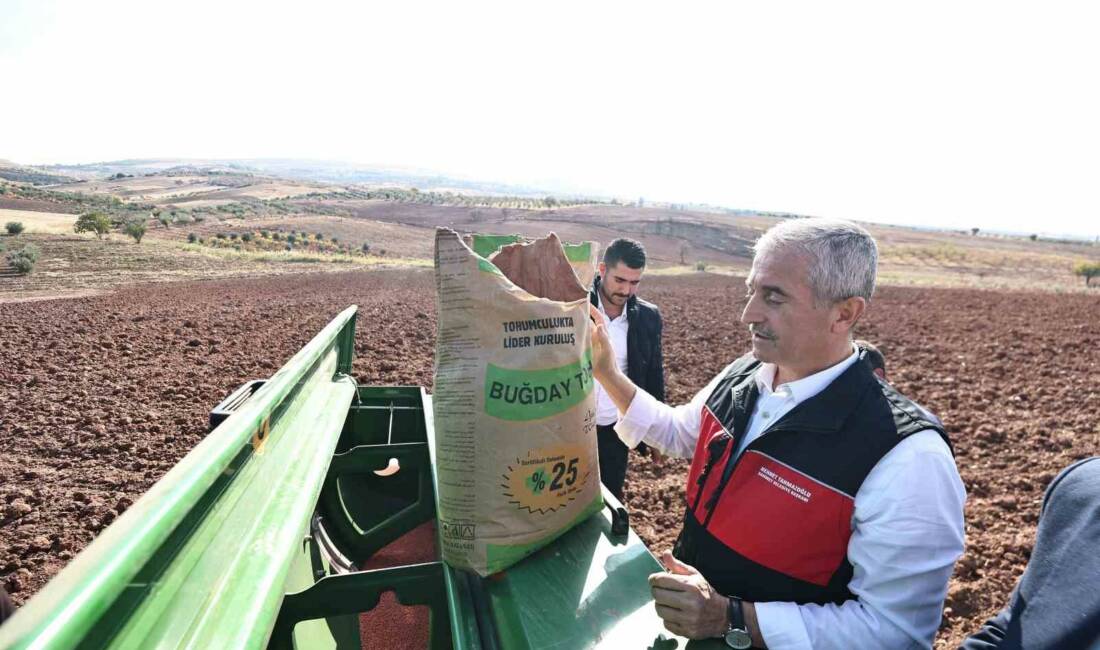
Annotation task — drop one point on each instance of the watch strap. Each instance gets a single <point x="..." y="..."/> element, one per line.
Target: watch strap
<point x="736" y="614"/>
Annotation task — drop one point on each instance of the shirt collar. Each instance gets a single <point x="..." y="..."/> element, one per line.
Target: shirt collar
<point x="599" y="305"/>
<point x="805" y="388"/>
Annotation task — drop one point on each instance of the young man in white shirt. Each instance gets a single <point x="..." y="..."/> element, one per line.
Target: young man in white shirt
<point x="824" y="510"/>
<point x="634" y="331"/>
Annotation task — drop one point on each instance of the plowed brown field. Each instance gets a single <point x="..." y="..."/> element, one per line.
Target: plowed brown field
<point x="100" y="396"/>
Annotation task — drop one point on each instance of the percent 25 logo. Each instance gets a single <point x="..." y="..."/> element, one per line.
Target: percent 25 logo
<point x="547" y="479"/>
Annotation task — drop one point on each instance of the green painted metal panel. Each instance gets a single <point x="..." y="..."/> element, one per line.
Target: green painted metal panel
<point x="201" y="559"/>
<point x="486" y="245"/>
<point x="487" y="266"/>
<point x="226" y="584"/>
<point x="363" y="511"/>
<point x="341" y="595"/>
<point x="589" y="589"/>
<point x="384" y="415"/>
<point x="464" y="626"/>
<point x="581" y="252"/>
<point x="323" y="633"/>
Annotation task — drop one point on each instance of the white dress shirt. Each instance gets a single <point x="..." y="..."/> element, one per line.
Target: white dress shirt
<point x="617" y="328"/>
<point x="907" y="527"/>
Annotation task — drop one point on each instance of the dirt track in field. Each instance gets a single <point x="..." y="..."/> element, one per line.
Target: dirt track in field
<point x="102" y="395"/>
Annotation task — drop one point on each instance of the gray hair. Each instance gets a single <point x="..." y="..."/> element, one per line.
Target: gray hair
<point x="843" y="256"/>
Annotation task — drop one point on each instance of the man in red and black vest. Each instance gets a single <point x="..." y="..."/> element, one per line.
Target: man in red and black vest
<point x="823" y="508"/>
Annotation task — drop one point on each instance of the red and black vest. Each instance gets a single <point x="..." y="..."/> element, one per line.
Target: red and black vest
<point x="773" y="524"/>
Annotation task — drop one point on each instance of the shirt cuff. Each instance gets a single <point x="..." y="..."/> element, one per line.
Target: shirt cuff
<point x="782" y="627"/>
<point x="638" y="418"/>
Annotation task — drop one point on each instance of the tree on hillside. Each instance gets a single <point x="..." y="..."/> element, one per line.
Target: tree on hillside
<point x="14" y="227"/>
<point x="1087" y="270"/>
<point x="974" y="231"/>
<point x="97" y="222"/>
<point x="23" y="260"/>
<point x="136" y="229"/>
<point x="1034" y="237"/>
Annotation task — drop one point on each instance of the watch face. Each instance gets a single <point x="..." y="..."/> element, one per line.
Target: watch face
<point x="738" y="639"/>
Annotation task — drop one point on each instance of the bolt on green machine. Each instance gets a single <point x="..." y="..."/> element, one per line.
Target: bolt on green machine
<point x="255" y="538"/>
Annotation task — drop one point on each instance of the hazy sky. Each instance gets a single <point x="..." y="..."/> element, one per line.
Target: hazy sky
<point x="949" y="114"/>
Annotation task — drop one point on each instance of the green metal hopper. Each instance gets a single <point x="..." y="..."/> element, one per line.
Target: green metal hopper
<point x="256" y="537"/>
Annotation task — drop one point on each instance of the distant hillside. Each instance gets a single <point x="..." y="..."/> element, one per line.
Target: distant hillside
<point x="17" y="173"/>
<point x="301" y="170"/>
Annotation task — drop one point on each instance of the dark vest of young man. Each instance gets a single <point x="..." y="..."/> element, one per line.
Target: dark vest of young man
<point x="645" y="367"/>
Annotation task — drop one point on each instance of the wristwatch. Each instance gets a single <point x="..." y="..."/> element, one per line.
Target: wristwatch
<point x="737" y="636"/>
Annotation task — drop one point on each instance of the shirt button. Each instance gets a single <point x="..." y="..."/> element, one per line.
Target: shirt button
<point x="766" y="415"/>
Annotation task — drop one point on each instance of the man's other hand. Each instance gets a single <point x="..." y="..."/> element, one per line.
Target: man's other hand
<point x="686" y="602"/>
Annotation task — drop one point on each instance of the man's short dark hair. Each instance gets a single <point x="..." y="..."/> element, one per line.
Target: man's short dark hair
<point x="872" y="355"/>
<point x="624" y="250"/>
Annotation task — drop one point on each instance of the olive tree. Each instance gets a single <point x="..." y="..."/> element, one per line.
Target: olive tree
<point x="136" y="229"/>
<point x="23" y="260"/>
<point x="97" y="222"/>
<point x="1087" y="270"/>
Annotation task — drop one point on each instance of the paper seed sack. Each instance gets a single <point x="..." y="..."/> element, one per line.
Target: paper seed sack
<point x="515" y="428"/>
<point x="581" y="256"/>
